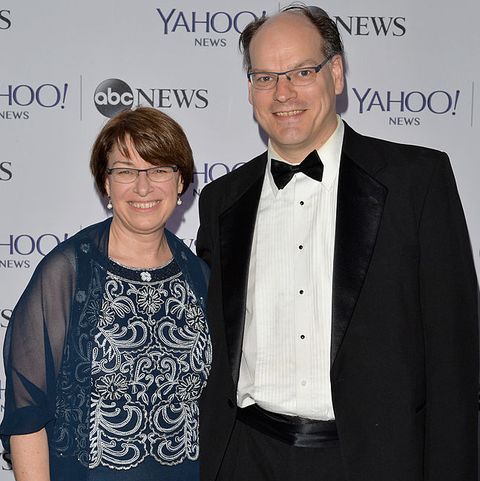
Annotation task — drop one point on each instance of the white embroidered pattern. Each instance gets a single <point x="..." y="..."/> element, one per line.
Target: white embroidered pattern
<point x="150" y="361"/>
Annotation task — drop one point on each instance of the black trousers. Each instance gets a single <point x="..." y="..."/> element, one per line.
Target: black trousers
<point x="254" y="456"/>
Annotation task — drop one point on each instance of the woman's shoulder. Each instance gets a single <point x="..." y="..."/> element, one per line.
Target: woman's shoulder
<point x="93" y="233"/>
<point x="64" y="255"/>
<point x="187" y="259"/>
<point x="179" y="247"/>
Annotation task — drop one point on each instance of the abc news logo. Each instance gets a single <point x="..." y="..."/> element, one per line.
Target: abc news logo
<point x="5" y="19"/>
<point x="361" y="26"/>
<point x="114" y="95"/>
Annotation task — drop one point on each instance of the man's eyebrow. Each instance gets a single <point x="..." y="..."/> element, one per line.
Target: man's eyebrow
<point x="304" y="63"/>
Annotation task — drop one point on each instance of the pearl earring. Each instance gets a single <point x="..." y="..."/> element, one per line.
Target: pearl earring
<point x="109" y="205"/>
<point x="179" y="200"/>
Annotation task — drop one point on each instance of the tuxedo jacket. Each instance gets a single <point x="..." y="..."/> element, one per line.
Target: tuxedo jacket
<point x="404" y="355"/>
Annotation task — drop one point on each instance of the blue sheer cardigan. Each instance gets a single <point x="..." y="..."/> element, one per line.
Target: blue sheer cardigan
<point x="48" y="345"/>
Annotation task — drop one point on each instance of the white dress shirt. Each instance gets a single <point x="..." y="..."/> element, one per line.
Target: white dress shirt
<point x="285" y="364"/>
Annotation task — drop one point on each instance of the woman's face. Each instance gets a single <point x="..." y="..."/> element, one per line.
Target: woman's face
<point x="143" y="206"/>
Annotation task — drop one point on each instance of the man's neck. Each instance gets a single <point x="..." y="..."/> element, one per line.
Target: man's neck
<point x="295" y="154"/>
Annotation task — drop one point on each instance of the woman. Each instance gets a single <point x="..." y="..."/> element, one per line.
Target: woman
<point x="108" y="349"/>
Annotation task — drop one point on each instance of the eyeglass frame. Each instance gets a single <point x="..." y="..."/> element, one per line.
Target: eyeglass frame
<point x="317" y="69"/>
<point x="110" y="171"/>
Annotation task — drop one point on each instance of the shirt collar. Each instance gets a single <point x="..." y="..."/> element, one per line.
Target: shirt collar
<point x="330" y="153"/>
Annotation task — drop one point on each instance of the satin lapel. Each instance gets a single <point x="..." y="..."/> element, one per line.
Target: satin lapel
<point x="359" y="211"/>
<point x="237" y="226"/>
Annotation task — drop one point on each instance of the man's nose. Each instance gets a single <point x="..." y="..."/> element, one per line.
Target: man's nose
<point x="284" y="90"/>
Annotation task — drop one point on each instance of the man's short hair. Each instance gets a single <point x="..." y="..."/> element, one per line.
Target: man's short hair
<point x="327" y="28"/>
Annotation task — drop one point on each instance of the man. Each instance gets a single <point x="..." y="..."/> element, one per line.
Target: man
<point x="342" y="301"/>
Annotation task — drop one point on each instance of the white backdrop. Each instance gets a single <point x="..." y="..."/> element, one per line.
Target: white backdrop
<point x="413" y="76"/>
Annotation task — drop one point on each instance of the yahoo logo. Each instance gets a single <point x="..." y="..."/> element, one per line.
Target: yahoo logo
<point x="205" y="22"/>
<point x="437" y="102"/>
<point x="45" y="95"/>
<point x="210" y="172"/>
<point x="26" y="244"/>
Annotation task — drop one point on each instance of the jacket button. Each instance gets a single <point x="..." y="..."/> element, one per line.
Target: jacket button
<point x="231" y="404"/>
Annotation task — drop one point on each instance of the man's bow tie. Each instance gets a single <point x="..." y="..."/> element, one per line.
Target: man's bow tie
<point x="282" y="172"/>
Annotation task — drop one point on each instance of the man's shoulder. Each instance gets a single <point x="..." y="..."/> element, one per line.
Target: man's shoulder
<point x="390" y="152"/>
<point x="406" y="149"/>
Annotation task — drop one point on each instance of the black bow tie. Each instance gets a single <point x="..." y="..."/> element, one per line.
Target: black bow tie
<point x="282" y="172"/>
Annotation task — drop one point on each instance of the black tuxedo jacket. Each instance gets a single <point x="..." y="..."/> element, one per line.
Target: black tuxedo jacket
<point x="404" y="362"/>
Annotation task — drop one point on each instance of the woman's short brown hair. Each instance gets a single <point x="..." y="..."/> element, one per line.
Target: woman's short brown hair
<point x="157" y="138"/>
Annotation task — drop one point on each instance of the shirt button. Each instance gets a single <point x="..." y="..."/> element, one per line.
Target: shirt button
<point x="303" y="383"/>
<point x="300" y="247"/>
<point x="301" y="202"/>
<point x="302" y="337"/>
<point x="301" y="291"/>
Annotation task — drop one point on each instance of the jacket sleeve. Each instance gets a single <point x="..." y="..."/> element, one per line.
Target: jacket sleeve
<point x="34" y="346"/>
<point x="204" y="244"/>
<point x="448" y="293"/>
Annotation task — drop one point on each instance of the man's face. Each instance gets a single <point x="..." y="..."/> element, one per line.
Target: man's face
<point x="297" y="119"/>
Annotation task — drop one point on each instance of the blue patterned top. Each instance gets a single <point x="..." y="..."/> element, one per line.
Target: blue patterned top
<point x="151" y="359"/>
<point x="110" y="360"/>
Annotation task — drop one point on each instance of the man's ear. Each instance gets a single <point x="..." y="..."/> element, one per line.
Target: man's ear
<point x="336" y="68"/>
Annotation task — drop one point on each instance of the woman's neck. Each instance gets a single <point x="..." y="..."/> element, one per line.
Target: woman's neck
<point x="138" y="250"/>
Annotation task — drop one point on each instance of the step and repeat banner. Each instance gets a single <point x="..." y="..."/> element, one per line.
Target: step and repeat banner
<point x="413" y="76"/>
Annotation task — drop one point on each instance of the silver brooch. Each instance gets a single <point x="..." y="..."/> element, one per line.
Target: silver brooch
<point x="146" y="276"/>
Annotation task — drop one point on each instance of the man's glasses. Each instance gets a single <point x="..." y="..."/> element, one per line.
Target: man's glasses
<point x="127" y="175"/>
<point x="299" y="77"/>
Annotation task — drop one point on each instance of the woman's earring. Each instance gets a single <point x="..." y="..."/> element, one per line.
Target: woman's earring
<point x="179" y="200"/>
<point x="109" y="205"/>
